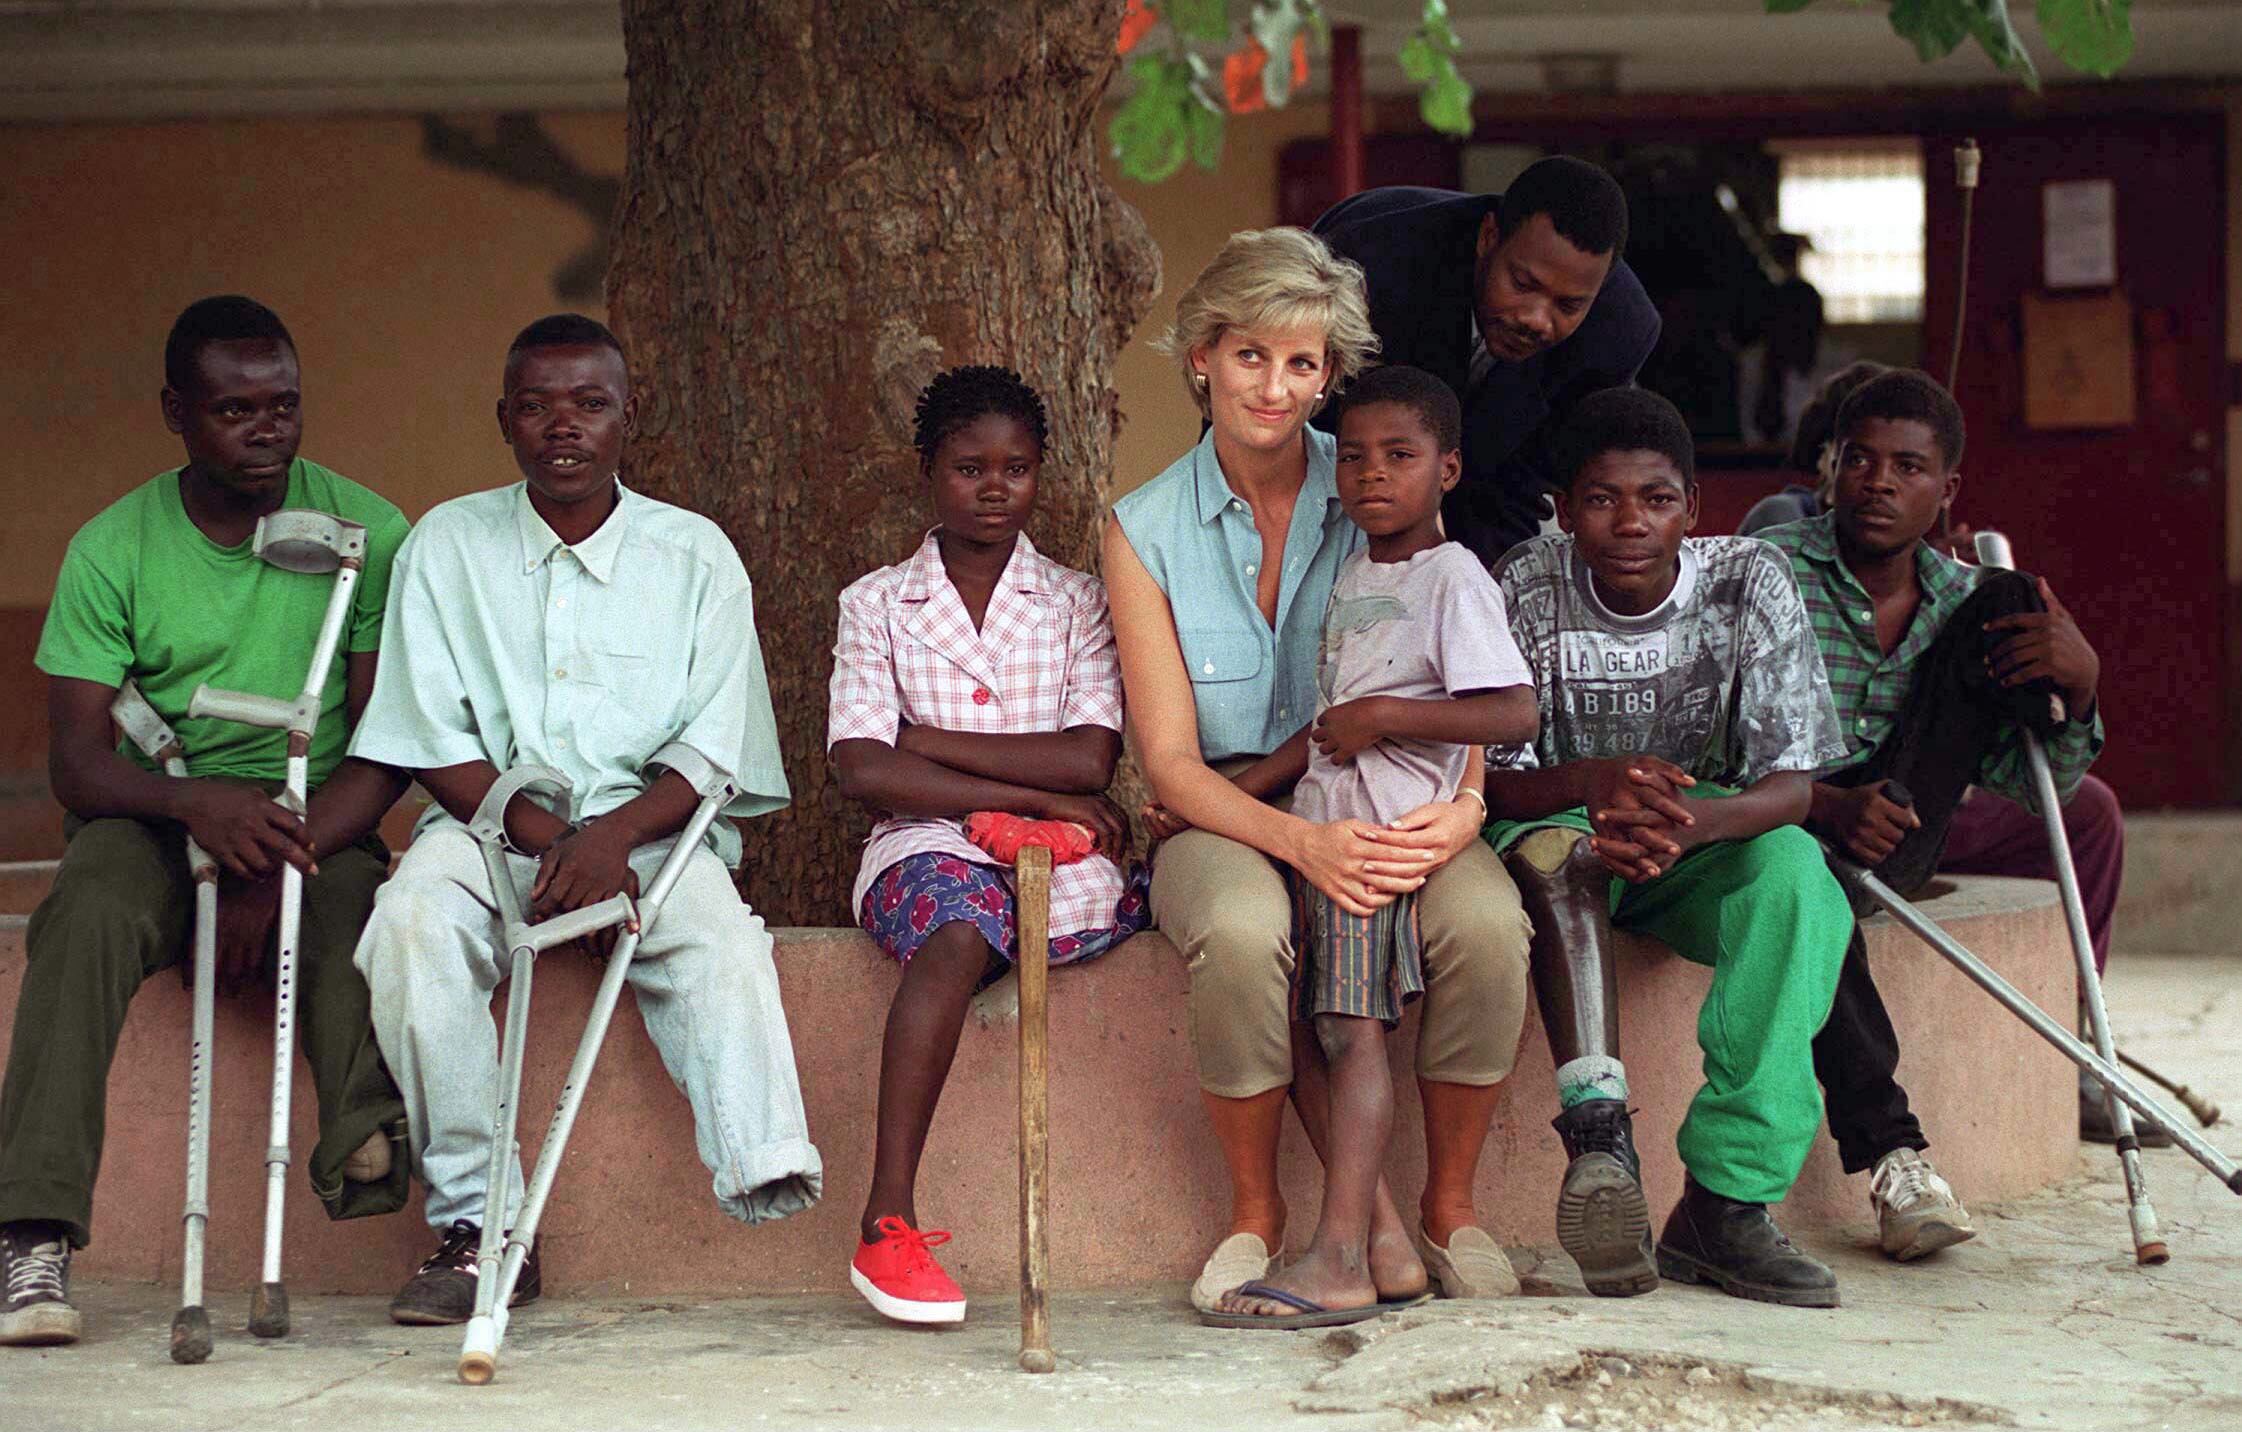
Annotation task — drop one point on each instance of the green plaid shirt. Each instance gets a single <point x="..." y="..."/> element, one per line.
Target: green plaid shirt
<point x="1869" y="686"/>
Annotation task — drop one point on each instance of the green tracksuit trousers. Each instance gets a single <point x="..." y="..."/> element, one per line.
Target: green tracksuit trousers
<point x="1771" y="921"/>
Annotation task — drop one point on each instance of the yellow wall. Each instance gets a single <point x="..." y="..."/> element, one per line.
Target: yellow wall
<point x="402" y="280"/>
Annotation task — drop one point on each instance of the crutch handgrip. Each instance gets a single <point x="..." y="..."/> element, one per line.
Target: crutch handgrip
<point x="244" y="707"/>
<point x="573" y="924"/>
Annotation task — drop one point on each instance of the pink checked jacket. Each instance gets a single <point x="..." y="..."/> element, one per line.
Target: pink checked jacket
<point x="1043" y="660"/>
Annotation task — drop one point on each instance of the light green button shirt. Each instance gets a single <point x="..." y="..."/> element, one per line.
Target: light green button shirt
<point x="636" y="647"/>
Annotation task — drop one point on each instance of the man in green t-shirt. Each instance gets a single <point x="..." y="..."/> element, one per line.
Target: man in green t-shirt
<point x="162" y="588"/>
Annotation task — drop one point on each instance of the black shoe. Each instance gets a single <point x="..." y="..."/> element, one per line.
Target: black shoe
<point x="35" y="1306"/>
<point x="2095" y="1126"/>
<point x="443" y="1291"/>
<point x="1737" y="1248"/>
<point x="1603" y="1220"/>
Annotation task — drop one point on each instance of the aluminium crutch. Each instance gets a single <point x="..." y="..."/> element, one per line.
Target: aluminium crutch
<point x="1986" y="978"/>
<point x="190" y="1326"/>
<point x="2148" y="1242"/>
<point x="1032" y="886"/>
<point x="498" y="1263"/>
<point x="314" y="543"/>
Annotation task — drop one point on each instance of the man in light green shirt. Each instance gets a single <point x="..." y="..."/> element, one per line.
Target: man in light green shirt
<point x="161" y="588"/>
<point x="567" y="621"/>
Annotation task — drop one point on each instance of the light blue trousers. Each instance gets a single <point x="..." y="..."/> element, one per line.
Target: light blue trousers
<point x="706" y="989"/>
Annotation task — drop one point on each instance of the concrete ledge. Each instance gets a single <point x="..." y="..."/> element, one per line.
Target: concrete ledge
<point x="1138" y="1188"/>
<point x="2179" y="881"/>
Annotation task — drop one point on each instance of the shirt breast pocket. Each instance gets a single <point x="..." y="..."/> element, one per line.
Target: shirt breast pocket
<point x="1218" y="658"/>
<point x="641" y="694"/>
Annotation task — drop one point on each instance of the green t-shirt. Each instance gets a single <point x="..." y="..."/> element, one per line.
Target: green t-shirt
<point x="143" y="593"/>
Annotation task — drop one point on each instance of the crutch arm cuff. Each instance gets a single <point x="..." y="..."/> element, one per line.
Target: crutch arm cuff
<point x="140" y="723"/>
<point x="489" y="823"/>
<point x="698" y="770"/>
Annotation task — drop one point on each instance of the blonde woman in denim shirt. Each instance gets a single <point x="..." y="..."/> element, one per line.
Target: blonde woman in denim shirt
<point x="1218" y="571"/>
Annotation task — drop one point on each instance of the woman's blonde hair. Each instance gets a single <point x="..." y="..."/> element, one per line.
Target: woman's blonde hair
<point x="1275" y="278"/>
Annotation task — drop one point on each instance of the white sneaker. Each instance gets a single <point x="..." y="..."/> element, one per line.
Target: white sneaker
<point x="1916" y="1210"/>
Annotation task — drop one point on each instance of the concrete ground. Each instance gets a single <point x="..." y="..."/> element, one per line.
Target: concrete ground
<point x="2045" y="1321"/>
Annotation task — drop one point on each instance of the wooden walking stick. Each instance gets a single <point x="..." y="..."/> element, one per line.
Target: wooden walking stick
<point x="1032" y="869"/>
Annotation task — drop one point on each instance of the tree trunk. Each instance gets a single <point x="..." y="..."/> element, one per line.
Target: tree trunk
<point x="827" y="202"/>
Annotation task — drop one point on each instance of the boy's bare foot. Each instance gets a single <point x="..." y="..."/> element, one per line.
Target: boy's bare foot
<point x="1316" y="1277"/>
<point x="1395" y="1269"/>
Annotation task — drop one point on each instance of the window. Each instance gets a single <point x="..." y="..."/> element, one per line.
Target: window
<point x="1861" y="207"/>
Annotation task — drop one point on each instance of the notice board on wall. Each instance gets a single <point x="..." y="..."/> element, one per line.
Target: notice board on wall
<point x="2078" y="361"/>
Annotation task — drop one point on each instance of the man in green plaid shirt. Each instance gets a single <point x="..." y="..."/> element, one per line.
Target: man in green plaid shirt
<point x="1936" y="669"/>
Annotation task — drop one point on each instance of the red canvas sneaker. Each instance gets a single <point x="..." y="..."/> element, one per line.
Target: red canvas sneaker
<point x="898" y="1275"/>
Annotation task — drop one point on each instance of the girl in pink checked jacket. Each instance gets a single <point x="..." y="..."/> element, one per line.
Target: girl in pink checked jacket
<point x="978" y="676"/>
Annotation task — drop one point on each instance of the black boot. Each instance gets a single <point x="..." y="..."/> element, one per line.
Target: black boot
<point x="1737" y="1248"/>
<point x="1603" y="1220"/>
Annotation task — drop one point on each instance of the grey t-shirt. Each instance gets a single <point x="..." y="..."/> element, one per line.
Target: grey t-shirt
<point x="1723" y="678"/>
<point x="1425" y="629"/>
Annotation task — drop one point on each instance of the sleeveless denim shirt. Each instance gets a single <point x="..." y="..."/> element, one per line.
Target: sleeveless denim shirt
<point x="1253" y="686"/>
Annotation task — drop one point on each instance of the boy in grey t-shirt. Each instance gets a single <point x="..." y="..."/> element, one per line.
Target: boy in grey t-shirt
<point x="1417" y="670"/>
<point x="1684" y="710"/>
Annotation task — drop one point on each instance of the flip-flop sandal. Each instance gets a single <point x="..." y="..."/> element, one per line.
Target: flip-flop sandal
<point x="1395" y="1305"/>
<point x="1311" y="1314"/>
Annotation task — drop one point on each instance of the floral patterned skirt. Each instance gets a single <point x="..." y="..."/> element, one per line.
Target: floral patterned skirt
<point x="919" y="894"/>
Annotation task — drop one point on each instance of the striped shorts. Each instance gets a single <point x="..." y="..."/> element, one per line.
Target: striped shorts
<point x="1364" y="966"/>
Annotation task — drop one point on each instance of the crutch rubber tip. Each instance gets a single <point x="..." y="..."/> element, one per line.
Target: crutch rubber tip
<point x="268" y="1311"/>
<point x="190" y="1336"/>
<point x="2152" y="1255"/>
<point x="2234" y="1180"/>
<point x="476" y="1369"/>
<point x="1037" y="1359"/>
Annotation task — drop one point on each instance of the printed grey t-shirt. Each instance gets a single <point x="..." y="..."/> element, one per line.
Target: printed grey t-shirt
<point x="1425" y="629"/>
<point x="1723" y="678"/>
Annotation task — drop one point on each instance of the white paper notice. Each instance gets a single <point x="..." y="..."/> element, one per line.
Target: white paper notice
<point x="2080" y="218"/>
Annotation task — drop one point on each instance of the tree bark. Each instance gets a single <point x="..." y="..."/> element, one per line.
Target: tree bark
<point x="827" y="202"/>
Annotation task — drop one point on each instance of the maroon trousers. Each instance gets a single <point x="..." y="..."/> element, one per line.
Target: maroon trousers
<point x="1992" y="835"/>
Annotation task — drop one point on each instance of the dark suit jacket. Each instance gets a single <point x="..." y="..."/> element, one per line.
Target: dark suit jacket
<point x="1416" y="248"/>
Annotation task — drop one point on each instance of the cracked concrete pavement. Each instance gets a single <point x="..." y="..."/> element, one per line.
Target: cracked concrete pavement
<point x="2044" y="1322"/>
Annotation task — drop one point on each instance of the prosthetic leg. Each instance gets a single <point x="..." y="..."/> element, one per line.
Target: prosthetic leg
<point x="499" y="1262"/>
<point x="1603" y="1221"/>
<point x="190" y="1326"/>
<point x="296" y="540"/>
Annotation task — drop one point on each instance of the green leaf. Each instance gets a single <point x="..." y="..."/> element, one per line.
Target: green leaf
<point x="1205" y="127"/>
<point x="1207" y="20"/>
<point x="1934" y="27"/>
<point x="2091" y="35"/>
<point x="1989" y="23"/>
<point x="1418" y="60"/>
<point x="1273" y="23"/>
<point x="1446" y="104"/>
<point x="1150" y="133"/>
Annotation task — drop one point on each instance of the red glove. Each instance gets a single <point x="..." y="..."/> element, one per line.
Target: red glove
<point x="1002" y="834"/>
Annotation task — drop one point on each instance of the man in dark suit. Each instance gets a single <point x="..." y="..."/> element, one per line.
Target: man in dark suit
<point x="1519" y="301"/>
